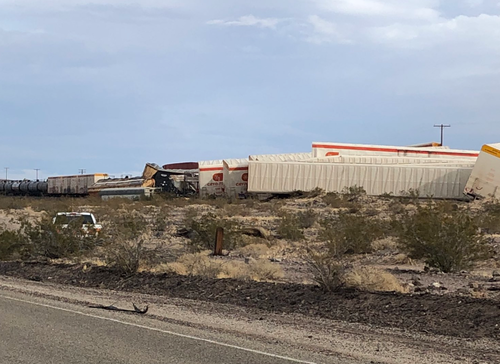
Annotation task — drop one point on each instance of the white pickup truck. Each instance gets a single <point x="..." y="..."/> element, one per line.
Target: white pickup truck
<point x="88" y="220"/>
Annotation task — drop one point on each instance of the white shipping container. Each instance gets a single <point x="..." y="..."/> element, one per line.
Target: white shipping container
<point x="439" y="181"/>
<point x="235" y="177"/>
<point x="211" y="178"/>
<point x="485" y="177"/>
<point x="320" y="150"/>
<point x="281" y="157"/>
<point x="73" y="185"/>
<point x="351" y="159"/>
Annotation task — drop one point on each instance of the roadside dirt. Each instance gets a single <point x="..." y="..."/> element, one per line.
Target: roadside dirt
<point x="341" y="341"/>
<point x="452" y="316"/>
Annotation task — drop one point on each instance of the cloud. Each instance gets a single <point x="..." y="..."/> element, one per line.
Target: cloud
<point x="248" y="20"/>
<point x="325" y="31"/>
<point x="478" y="31"/>
<point x="407" y="9"/>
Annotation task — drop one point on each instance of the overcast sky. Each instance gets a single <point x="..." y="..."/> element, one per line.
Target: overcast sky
<point x="109" y="85"/>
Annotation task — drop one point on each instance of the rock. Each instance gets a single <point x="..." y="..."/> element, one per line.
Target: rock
<point x="474" y="285"/>
<point x="249" y="260"/>
<point x="496" y="273"/>
<point x="435" y="285"/>
<point x="256" y="231"/>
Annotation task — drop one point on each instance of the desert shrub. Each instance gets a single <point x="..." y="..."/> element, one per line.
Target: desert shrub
<point x="160" y="220"/>
<point x="307" y="218"/>
<point x="123" y="241"/>
<point x="45" y="239"/>
<point x="489" y="218"/>
<point x="326" y="267"/>
<point x="372" y="279"/>
<point x="264" y="270"/>
<point x="203" y="230"/>
<point x="396" y="207"/>
<point x="349" y="234"/>
<point x="254" y="250"/>
<point x="289" y="227"/>
<point x="449" y="241"/>
<point x="125" y="255"/>
<point x="410" y="196"/>
<point x="315" y="193"/>
<point x="10" y="244"/>
<point x="200" y="264"/>
<point x="349" y="198"/>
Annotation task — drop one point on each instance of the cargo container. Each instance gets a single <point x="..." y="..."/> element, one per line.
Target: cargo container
<point x="211" y="178"/>
<point x="73" y="185"/>
<point x="320" y="150"/>
<point x="352" y="159"/>
<point x="435" y="181"/>
<point x="235" y="177"/>
<point x="281" y="157"/>
<point x="484" y="180"/>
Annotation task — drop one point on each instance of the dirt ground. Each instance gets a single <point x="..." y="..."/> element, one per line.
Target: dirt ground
<point x="448" y="315"/>
<point x="461" y="306"/>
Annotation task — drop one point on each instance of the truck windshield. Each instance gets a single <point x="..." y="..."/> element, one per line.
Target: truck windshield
<point x="66" y="219"/>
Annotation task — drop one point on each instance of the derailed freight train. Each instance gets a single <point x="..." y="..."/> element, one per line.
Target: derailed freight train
<point x="154" y="179"/>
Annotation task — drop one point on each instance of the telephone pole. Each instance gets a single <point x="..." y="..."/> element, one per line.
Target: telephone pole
<point x="37" y="169"/>
<point x="6" y="169"/>
<point x="442" y="126"/>
<point x="81" y="171"/>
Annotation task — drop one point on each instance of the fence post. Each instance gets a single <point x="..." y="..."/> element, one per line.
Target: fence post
<point x="219" y="239"/>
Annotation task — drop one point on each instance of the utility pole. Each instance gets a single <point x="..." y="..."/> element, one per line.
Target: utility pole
<point x="6" y="169"/>
<point x="442" y="126"/>
<point x="37" y="169"/>
<point x="81" y="171"/>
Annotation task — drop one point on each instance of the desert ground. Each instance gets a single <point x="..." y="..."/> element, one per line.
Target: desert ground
<point x="389" y="307"/>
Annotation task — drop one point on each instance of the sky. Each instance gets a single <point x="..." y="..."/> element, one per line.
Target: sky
<point x="108" y="85"/>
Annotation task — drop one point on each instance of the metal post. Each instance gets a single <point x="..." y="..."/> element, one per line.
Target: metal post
<point x="219" y="239"/>
<point x="442" y="126"/>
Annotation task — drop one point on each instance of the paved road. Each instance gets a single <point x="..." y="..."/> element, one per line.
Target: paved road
<point x="34" y="331"/>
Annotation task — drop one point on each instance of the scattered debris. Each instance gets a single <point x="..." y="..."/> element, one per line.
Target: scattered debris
<point x="114" y="308"/>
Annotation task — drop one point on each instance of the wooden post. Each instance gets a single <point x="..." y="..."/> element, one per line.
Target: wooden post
<point x="219" y="240"/>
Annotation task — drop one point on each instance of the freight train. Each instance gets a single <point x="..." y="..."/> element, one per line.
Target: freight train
<point x="154" y="179"/>
<point x="77" y="185"/>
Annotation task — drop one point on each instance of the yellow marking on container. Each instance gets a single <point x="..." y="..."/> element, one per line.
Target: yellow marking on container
<point x="491" y="150"/>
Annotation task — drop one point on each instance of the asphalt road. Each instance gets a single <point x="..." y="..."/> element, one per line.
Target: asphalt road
<point x="34" y="331"/>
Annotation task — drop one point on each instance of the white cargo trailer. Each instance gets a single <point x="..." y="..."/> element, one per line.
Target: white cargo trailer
<point x="438" y="181"/>
<point x="235" y="177"/>
<point x="484" y="180"/>
<point x="320" y="150"/>
<point x="353" y="159"/>
<point x="211" y="178"/>
<point x="281" y="157"/>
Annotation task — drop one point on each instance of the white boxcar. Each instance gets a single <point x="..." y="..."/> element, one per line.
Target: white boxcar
<point x="211" y="178"/>
<point x="73" y="185"/>
<point x="320" y="150"/>
<point x="281" y="157"/>
<point x="439" y="181"/>
<point x="485" y="177"/>
<point x="235" y="176"/>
